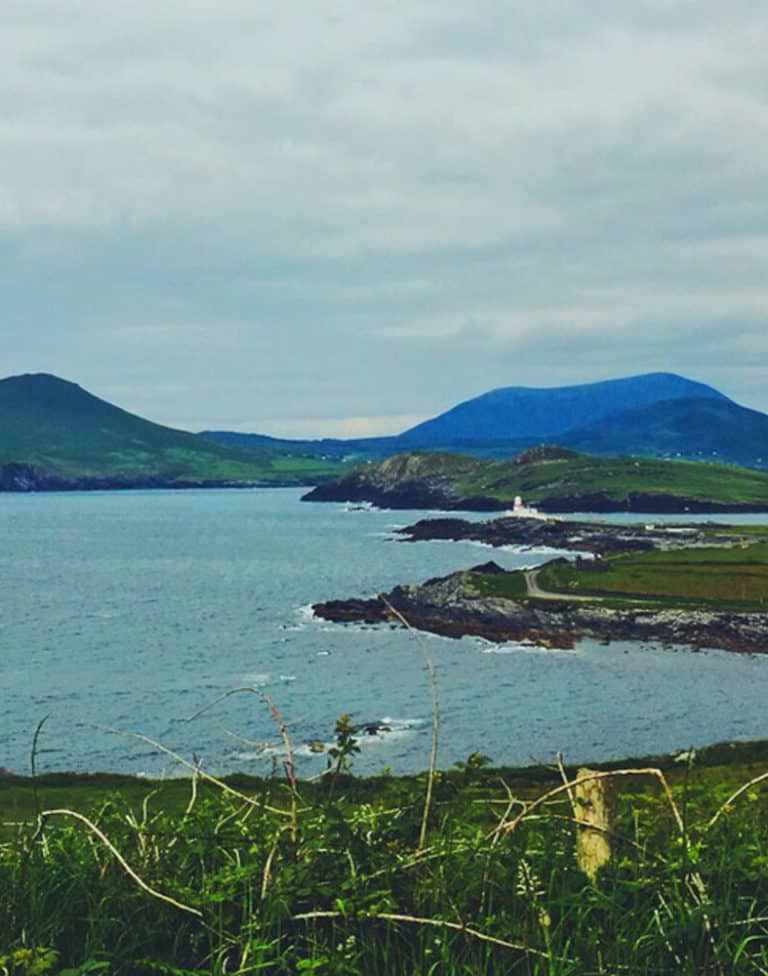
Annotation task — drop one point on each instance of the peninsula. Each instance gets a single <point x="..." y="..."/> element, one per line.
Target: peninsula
<point x="701" y="586"/>
<point x="552" y="478"/>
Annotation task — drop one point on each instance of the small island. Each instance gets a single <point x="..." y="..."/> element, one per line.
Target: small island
<point x="703" y="586"/>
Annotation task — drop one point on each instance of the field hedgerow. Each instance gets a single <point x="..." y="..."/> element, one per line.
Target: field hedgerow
<point x="347" y="876"/>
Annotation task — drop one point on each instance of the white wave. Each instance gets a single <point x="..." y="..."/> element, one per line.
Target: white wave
<point x="262" y="678"/>
<point x="307" y="752"/>
<point x="513" y="647"/>
<point x="350" y="627"/>
<point x="258" y="678"/>
<point x="248" y="756"/>
<point x="508" y="648"/>
<point x="403" y="722"/>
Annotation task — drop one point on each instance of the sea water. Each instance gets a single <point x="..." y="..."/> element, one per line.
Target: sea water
<point x="165" y="614"/>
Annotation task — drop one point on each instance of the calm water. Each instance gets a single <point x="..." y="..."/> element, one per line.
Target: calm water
<point x="136" y="610"/>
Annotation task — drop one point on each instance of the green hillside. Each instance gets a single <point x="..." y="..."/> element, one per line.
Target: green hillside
<point x="572" y="473"/>
<point x="552" y="477"/>
<point x="60" y="429"/>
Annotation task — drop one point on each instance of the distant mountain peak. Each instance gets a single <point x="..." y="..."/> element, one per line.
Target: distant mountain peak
<point x="516" y="411"/>
<point x="34" y="378"/>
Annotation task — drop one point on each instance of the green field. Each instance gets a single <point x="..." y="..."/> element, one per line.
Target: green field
<point x="555" y="473"/>
<point x="717" y="578"/>
<point x="509" y="586"/>
<point x="358" y="877"/>
<point x="617" y="477"/>
<point x="724" y="576"/>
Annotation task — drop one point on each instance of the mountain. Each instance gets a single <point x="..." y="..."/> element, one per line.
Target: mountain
<point x="54" y="434"/>
<point x="654" y="415"/>
<point x="521" y="412"/>
<point x="689" y="428"/>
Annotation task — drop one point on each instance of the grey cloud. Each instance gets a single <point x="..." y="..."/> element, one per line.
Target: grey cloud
<point x="359" y="210"/>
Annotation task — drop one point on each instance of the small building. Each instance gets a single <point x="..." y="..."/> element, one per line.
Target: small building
<point x="521" y="510"/>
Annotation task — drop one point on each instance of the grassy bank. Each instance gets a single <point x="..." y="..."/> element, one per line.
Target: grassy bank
<point x="616" y="478"/>
<point x="546" y="473"/>
<point x="707" y="578"/>
<point x="362" y="876"/>
<point x="720" y="577"/>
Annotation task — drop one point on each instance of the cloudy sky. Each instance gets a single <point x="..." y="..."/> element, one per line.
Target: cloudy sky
<point x="336" y="217"/>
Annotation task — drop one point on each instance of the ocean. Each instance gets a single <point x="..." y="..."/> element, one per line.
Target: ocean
<point x="146" y="611"/>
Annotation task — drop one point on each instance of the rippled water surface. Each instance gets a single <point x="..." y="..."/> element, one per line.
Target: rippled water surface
<point x="135" y="610"/>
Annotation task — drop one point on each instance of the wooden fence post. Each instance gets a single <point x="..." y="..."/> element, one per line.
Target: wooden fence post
<point x="595" y="811"/>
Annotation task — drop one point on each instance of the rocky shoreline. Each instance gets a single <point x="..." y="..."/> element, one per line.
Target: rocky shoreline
<point x="425" y="493"/>
<point x="451" y="607"/>
<point x="599" y="538"/>
<point x="15" y="477"/>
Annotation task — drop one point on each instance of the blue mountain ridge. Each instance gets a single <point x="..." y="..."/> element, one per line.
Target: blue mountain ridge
<point x="655" y="415"/>
<point x="523" y="412"/>
<point x="698" y="427"/>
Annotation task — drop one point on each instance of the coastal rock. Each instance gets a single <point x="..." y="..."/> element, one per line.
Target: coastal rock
<point x="600" y="538"/>
<point x="451" y="607"/>
<point x="548" y="477"/>
<point x="426" y="493"/>
<point x="345" y="611"/>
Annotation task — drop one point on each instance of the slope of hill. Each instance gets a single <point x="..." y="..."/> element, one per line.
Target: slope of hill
<point x="691" y="427"/>
<point x="521" y="412"/>
<point x="552" y="478"/>
<point x="53" y="434"/>
<point x="326" y="447"/>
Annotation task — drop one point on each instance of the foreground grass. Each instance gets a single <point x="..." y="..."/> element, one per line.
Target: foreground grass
<point x="331" y="878"/>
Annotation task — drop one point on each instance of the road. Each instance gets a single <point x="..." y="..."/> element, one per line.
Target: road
<point x="535" y="590"/>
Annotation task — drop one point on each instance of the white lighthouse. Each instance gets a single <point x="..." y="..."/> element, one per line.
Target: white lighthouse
<point x="521" y="510"/>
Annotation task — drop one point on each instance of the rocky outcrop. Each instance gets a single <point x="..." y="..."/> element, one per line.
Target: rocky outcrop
<point x="405" y="494"/>
<point x="452" y="607"/>
<point x="388" y="485"/>
<point x="16" y="476"/>
<point x="596" y="537"/>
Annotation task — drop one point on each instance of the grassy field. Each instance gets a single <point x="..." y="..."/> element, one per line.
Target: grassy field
<point x="362" y="876"/>
<point x="546" y="473"/>
<point x="617" y="477"/>
<point x="716" y="578"/>
<point x="510" y="586"/>
<point x="721" y="577"/>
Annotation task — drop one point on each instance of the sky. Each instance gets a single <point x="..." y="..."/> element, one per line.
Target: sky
<point x="339" y="218"/>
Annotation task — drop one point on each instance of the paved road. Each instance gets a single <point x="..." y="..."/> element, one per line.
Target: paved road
<point x="535" y="590"/>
